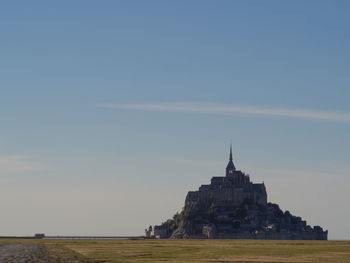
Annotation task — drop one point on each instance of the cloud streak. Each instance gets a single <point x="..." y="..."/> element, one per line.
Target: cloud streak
<point x="235" y="110"/>
<point x="13" y="164"/>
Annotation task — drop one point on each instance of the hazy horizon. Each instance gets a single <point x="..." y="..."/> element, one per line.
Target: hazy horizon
<point x="112" y="111"/>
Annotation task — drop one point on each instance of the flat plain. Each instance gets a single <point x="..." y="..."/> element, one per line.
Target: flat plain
<point x="93" y="250"/>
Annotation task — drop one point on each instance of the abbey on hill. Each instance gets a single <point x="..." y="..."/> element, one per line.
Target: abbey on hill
<point x="233" y="207"/>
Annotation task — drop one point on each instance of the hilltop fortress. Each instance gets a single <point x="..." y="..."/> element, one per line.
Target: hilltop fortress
<point x="233" y="207"/>
<point x="229" y="191"/>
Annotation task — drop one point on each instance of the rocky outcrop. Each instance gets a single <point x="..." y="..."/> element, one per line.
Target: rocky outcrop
<point x="247" y="221"/>
<point x="234" y="207"/>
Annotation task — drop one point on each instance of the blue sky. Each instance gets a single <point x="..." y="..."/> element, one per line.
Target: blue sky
<point x="111" y="111"/>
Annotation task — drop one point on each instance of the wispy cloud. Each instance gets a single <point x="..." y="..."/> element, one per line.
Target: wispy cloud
<point x="14" y="164"/>
<point x="236" y="110"/>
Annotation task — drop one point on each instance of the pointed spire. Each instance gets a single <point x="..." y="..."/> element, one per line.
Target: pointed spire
<point x="230" y="166"/>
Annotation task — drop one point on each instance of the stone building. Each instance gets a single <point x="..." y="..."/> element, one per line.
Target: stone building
<point x="156" y="232"/>
<point x="229" y="190"/>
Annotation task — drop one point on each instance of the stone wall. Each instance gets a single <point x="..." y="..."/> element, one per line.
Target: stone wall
<point x="231" y="190"/>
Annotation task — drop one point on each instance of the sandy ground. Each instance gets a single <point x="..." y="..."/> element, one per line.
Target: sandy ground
<point x="26" y="253"/>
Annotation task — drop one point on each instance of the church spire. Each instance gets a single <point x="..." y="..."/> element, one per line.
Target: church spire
<point x="230" y="168"/>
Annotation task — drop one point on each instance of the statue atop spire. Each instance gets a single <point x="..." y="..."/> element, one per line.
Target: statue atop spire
<point x="230" y="166"/>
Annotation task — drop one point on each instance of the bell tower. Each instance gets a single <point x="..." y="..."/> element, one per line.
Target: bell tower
<point x="230" y="168"/>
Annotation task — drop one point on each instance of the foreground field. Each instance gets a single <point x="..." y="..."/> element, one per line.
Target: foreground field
<point x="191" y="250"/>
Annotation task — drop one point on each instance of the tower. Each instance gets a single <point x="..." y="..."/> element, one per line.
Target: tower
<point x="230" y="168"/>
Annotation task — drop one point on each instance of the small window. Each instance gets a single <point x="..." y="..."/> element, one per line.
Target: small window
<point x="230" y="172"/>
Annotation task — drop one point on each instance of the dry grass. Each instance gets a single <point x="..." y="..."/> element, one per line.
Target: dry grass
<point x="198" y="250"/>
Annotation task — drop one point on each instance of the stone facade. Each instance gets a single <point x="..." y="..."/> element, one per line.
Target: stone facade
<point x="230" y="190"/>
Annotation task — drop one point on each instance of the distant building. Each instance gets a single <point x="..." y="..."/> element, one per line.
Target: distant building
<point x="230" y="190"/>
<point x="233" y="207"/>
<point x="156" y="232"/>
<point x="39" y="235"/>
<point x="149" y="232"/>
<point x="160" y="232"/>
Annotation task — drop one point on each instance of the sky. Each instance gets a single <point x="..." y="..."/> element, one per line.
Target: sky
<point x="111" y="111"/>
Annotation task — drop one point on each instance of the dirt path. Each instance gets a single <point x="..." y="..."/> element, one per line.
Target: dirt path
<point x="27" y="253"/>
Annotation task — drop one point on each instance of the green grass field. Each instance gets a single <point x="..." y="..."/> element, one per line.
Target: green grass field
<point x="196" y="250"/>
